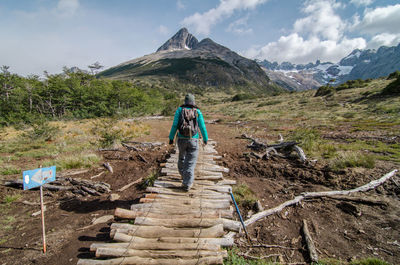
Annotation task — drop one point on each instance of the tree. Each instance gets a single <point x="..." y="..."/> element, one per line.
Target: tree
<point x="94" y="68"/>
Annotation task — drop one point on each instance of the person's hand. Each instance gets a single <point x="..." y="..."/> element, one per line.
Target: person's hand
<point x="171" y="141"/>
<point x="205" y="142"/>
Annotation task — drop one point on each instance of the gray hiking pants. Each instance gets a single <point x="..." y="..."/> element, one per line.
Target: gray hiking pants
<point x="188" y="153"/>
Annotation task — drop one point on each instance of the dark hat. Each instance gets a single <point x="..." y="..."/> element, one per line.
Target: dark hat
<point x="189" y="99"/>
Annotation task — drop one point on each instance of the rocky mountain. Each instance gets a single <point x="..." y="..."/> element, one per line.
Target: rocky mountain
<point x="361" y="64"/>
<point x="203" y="64"/>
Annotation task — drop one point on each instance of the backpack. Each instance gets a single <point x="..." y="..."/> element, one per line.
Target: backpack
<point x="187" y="125"/>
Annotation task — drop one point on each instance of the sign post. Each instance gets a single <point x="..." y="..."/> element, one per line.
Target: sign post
<point x="36" y="178"/>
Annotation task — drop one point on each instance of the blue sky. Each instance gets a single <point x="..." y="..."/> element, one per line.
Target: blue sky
<point x="39" y="35"/>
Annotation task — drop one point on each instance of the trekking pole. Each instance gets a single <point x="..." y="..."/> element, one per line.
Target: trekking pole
<point x="240" y="216"/>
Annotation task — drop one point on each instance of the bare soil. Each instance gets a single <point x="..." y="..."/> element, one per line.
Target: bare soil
<point x="338" y="233"/>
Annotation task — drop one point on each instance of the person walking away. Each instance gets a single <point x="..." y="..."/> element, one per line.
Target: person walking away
<point x="187" y="121"/>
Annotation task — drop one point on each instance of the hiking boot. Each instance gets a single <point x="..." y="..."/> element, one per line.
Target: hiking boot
<point x="185" y="188"/>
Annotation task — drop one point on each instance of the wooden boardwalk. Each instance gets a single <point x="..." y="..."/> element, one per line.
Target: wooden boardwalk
<point x="172" y="226"/>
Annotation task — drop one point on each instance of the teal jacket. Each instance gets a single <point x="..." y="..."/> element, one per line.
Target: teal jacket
<point x="200" y="121"/>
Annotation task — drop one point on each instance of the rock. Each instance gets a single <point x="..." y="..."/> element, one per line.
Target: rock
<point x="113" y="197"/>
<point x="103" y="219"/>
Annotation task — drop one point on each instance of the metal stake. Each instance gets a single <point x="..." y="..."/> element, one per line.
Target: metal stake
<point x="240" y="216"/>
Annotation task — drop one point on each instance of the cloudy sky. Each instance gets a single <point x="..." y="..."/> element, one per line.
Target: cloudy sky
<point x="38" y="35"/>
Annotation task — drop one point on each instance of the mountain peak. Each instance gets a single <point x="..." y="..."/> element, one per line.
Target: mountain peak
<point x="180" y="41"/>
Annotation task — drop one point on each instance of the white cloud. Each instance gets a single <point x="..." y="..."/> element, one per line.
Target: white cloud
<point x="384" y="39"/>
<point x="240" y="26"/>
<point x="318" y="35"/>
<point x="202" y="23"/>
<point x="321" y="20"/>
<point x="362" y="2"/>
<point x="163" y="30"/>
<point x="180" y="5"/>
<point x="67" y="7"/>
<point x="380" y="20"/>
<point x="294" y="48"/>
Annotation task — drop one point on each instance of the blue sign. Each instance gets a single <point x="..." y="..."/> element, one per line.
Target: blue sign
<point x="38" y="177"/>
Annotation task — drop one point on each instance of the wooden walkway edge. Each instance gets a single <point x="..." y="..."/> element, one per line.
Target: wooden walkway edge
<point x="172" y="226"/>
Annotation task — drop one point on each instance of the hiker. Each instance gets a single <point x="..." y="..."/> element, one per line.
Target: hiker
<point x="187" y="121"/>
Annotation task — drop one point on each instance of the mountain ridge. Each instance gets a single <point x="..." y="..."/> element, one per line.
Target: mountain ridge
<point x="359" y="64"/>
<point x="202" y="64"/>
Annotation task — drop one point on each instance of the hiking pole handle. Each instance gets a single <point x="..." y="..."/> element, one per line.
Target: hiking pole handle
<point x="240" y="216"/>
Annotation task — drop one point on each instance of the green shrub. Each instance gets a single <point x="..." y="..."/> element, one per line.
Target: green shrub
<point x="369" y="261"/>
<point x="12" y="198"/>
<point x="325" y="91"/>
<point x="107" y="133"/>
<point x="392" y="88"/>
<point x="309" y="138"/>
<point x="242" y="96"/>
<point x="234" y="259"/>
<point x="269" y="103"/>
<point x="352" y="159"/>
<point x="170" y="107"/>
<point x="394" y="75"/>
<point x="149" y="180"/>
<point x="42" y="130"/>
<point x="244" y="196"/>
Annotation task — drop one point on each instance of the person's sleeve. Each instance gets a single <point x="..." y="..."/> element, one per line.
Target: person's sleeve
<point x="202" y="126"/>
<point x="174" y="127"/>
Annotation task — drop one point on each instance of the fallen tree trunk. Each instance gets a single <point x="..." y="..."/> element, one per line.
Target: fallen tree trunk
<point x="307" y="195"/>
<point x="310" y="243"/>
<point x="130" y="184"/>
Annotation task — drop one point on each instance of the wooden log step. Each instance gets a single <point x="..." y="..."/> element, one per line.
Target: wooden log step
<point x="150" y="261"/>
<point x="161" y="231"/>
<point x="174" y="160"/>
<point x="214" y="204"/>
<point x="200" y="166"/>
<point x="157" y="254"/>
<point x="132" y="240"/>
<point x="226" y="182"/>
<point x="177" y="211"/>
<point x="179" y="180"/>
<point x="202" y="157"/>
<point x="180" y="192"/>
<point x="147" y="245"/>
<point x="179" y="197"/>
<point x="175" y="205"/>
<point x="203" y="172"/>
<point x="190" y="222"/>
<point x="129" y="214"/>
<point x="176" y="185"/>
<point x="186" y="201"/>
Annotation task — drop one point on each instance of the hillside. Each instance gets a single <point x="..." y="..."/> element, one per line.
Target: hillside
<point x="359" y="64"/>
<point x="204" y="64"/>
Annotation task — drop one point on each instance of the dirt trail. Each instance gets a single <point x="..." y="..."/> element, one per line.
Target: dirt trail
<point x="337" y="234"/>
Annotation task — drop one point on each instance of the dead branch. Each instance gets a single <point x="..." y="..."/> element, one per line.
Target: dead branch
<point x="261" y="257"/>
<point x="310" y="243"/>
<point x="108" y="167"/>
<point x="98" y="175"/>
<point x="111" y="150"/>
<point x="272" y="246"/>
<point x="130" y="184"/>
<point x="142" y="158"/>
<point x="371" y="185"/>
<point x="131" y="147"/>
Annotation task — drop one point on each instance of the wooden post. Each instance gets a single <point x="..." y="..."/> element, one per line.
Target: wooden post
<point x="43" y="227"/>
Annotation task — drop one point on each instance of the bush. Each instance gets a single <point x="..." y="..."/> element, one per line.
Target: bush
<point x="394" y="75"/>
<point x="325" y="91"/>
<point x="352" y="159"/>
<point x="106" y="132"/>
<point x="42" y="130"/>
<point x="392" y="88"/>
<point x="244" y="196"/>
<point x="242" y="96"/>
